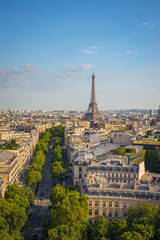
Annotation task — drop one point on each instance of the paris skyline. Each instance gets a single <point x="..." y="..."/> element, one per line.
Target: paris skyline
<point x="50" y="49"/>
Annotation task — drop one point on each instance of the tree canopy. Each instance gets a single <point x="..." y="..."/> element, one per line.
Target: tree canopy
<point x="13" y="211"/>
<point x="58" y="170"/>
<point x="68" y="217"/>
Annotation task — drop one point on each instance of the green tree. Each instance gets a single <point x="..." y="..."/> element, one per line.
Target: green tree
<point x="57" y="194"/>
<point x="100" y="228"/>
<point x="119" y="151"/>
<point x="33" y="178"/>
<point x="116" y="228"/>
<point x="131" y="236"/>
<point x="71" y="188"/>
<point x="14" y="215"/>
<point x="13" y="141"/>
<point x="57" y="141"/>
<point x="58" y="170"/>
<point x="157" y="234"/>
<point x="145" y="230"/>
<point x="71" y="211"/>
<point x="142" y="213"/>
<point x="26" y="192"/>
<point x="57" y="153"/>
<point x="58" y="131"/>
<point x="5" y="236"/>
<point x="62" y="232"/>
<point x="20" y="201"/>
<point x="23" y="197"/>
<point x="36" y="167"/>
<point x="3" y="224"/>
<point x="41" y="146"/>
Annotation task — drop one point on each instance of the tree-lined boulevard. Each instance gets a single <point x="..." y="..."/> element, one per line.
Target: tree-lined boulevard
<point x="58" y="211"/>
<point x="40" y="211"/>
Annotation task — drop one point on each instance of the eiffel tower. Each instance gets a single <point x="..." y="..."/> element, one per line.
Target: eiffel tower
<point x="93" y="112"/>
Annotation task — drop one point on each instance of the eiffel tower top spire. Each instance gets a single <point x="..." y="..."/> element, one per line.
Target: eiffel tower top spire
<point x="93" y="112"/>
<point x="93" y="94"/>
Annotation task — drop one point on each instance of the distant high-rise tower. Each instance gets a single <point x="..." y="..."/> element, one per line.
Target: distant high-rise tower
<point x="151" y="113"/>
<point x="93" y="112"/>
<point x="158" y="112"/>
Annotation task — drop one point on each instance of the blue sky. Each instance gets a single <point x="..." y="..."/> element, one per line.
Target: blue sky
<point x="50" y="48"/>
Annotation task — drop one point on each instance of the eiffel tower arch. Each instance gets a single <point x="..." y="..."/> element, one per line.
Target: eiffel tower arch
<point x="93" y="112"/>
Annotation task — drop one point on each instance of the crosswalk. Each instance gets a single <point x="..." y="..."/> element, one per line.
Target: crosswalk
<point x="44" y="202"/>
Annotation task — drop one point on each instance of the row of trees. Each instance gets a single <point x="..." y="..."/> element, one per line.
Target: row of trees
<point x="69" y="209"/>
<point x="58" y="169"/>
<point x="142" y="223"/>
<point x="34" y="173"/>
<point x="13" y="212"/>
<point x="68" y="214"/>
<point x="57" y="131"/>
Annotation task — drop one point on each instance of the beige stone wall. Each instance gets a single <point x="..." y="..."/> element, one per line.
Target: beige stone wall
<point x="2" y="188"/>
<point x="141" y="169"/>
<point x="4" y="136"/>
<point x="85" y="124"/>
<point x="117" y="206"/>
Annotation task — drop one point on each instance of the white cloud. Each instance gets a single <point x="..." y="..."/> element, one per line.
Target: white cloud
<point x="92" y="47"/>
<point x="130" y="52"/>
<point x="25" y="76"/>
<point x="27" y="68"/>
<point x="147" y="24"/>
<point x="80" y="68"/>
<point x="89" y="50"/>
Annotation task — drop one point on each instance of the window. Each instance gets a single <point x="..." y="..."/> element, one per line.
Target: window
<point x="124" y="204"/>
<point x="104" y="212"/>
<point x="80" y="169"/>
<point x="124" y="214"/>
<point x="116" y="213"/>
<point x="90" y="203"/>
<point x="104" y="203"/>
<point x="96" y="212"/>
<point x="130" y="204"/>
<point x="110" y="213"/>
<point x="90" y="211"/>
<point x="110" y="204"/>
<point x="96" y="203"/>
<point x="80" y="175"/>
<point x="116" y="204"/>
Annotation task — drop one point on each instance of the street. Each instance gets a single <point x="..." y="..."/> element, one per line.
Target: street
<point x="39" y="211"/>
